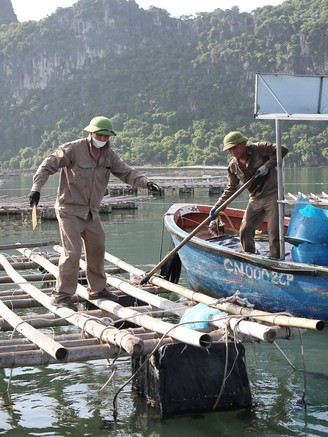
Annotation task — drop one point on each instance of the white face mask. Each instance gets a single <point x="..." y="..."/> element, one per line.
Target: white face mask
<point x="97" y="143"/>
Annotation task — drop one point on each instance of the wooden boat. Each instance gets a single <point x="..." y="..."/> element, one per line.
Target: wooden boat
<point x="217" y="266"/>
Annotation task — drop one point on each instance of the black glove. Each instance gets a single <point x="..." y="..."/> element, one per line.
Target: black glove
<point x="34" y="197"/>
<point x="154" y="188"/>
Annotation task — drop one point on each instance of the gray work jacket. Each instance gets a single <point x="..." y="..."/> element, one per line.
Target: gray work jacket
<point x="259" y="154"/>
<point x="83" y="180"/>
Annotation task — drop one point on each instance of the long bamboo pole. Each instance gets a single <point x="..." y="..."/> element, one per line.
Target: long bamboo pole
<point x="177" y="332"/>
<point x="30" y="278"/>
<point x="50" y="346"/>
<point x="39" y="358"/>
<point x="23" y="245"/>
<point x="255" y="330"/>
<point x="21" y="303"/>
<point x="47" y="277"/>
<point x="46" y="320"/>
<point x="22" y="265"/>
<point x="77" y="344"/>
<point x="248" y="328"/>
<point x="159" y="302"/>
<point x="79" y="353"/>
<point x="130" y="343"/>
<point x="60" y="338"/>
<point x="138" y="293"/>
<point x="275" y="319"/>
<point x="31" y="346"/>
<point x="218" y="208"/>
<point x="22" y="343"/>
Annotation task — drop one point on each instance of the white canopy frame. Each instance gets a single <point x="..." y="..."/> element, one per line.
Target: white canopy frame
<point x="289" y="97"/>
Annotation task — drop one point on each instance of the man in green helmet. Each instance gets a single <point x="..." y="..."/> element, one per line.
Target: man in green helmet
<point x="259" y="160"/>
<point x="85" y="166"/>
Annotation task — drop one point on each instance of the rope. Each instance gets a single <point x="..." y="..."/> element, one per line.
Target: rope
<point x="295" y="369"/>
<point x="162" y="240"/>
<point x="304" y="371"/>
<point x="284" y="355"/>
<point x="224" y="373"/>
<point x="233" y="229"/>
<point x="115" y="408"/>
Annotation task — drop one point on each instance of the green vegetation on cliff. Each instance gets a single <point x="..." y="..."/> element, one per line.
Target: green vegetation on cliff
<point x="173" y="87"/>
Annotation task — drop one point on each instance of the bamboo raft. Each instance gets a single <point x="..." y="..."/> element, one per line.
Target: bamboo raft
<point x="19" y="206"/>
<point x="120" y="196"/>
<point x="125" y="197"/>
<point x="32" y="332"/>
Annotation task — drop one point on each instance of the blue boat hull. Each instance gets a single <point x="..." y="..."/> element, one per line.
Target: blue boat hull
<point x="271" y="285"/>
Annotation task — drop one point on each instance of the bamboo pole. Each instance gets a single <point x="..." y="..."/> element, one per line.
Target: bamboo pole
<point x="75" y="344"/>
<point x="21" y="303"/>
<point x="23" y="341"/>
<point x="18" y="297"/>
<point x="180" y="333"/>
<point x="60" y="338"/>
<point x="18" y="292"/>
<point x="53" y="348"/>
<point x="275" y="319"/>
<point x="26" y="265"/>
<point x="23" y="245"/>
<point x="152" y="343"/>
<point x="39" y="358"/>
<point x="46" y="320"/>
<point x="131" y="344"/>
<point x="48" y="277"/>
<point x="22" y="265"/>
<point x="76" y="354"/>
<point x="8" y="348"/>
<point x="253" y="329"/>
<point x="30" y="278"/>
<point x="218" y="208"/>
<point x="157" y="301"/>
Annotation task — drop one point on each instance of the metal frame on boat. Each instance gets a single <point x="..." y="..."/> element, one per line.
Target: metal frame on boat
<point x="272" y="285"/>
<point x="278" y="97"/>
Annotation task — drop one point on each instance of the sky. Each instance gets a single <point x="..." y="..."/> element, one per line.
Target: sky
<point x="37" y="9"/>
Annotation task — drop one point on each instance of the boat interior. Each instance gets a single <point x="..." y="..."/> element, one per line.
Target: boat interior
<point x="229" y="232"/>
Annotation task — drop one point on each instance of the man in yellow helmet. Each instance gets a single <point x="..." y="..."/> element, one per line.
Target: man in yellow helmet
<point x="85" y="166"/>
<point x="248" y="160"/>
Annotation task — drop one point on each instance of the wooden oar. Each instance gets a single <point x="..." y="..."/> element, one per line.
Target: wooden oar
<point x="222" y="207"/>
<point x="34" y="217"/>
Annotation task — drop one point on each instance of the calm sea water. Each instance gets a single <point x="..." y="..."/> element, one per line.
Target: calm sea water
<point x="290" y="393"/>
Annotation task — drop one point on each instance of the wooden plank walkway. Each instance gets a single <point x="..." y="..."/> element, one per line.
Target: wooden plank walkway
<point x="136" y="325"/>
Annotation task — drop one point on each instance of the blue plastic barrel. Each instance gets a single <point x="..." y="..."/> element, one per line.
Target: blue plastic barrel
<point x="295" y="218"/>
<point x="311" y="254"/>
<point x="308" y="225"/>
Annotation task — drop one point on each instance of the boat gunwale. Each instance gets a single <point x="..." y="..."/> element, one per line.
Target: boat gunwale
<point x="273" y="264"/>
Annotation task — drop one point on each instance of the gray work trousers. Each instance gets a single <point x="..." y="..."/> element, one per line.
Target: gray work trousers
<point x="255" y="213"/>
<point x="77" y="234"/>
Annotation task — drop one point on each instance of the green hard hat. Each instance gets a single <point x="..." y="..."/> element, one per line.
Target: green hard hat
<point x="232" y="139"/>
<point x="101" y="125"/>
